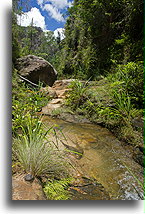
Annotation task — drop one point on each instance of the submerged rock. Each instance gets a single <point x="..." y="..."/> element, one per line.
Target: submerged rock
<point x="87" y="189"/>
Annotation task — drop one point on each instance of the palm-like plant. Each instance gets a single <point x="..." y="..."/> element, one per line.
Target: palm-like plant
<point x="124" y="107"/>
<point x="77" y="95"/>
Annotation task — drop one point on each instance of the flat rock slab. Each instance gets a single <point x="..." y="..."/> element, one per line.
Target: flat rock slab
<point x="52" y="105"/>
<point x="25" y="190"/>
<point x="62" y="93"/>
<point x="61" y="84"/>
<point x="56" y="101"/>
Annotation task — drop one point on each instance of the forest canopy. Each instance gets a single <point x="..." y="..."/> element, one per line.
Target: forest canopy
<point x="100" y="34"/>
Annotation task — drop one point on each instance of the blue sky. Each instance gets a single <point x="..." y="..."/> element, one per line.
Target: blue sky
<point x="47" y="14"/>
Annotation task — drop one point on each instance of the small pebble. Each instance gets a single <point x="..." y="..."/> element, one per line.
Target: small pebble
<point x="28" y="177"/>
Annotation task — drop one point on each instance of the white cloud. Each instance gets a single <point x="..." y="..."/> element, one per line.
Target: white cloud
<point x="59" y="4"/>
<point x="40" y="2"/>
<point x="26" y="18"/>
<point x="54" y="8"/>
<point x="54" y="12"/>
<point x="61" y="31"/>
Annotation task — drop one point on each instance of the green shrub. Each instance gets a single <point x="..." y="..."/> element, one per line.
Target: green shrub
<point x="108" y="103"/>
<point x="130" y="77"/>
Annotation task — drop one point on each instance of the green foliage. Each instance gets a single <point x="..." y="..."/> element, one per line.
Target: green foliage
<point x="25" y="102"/>
<point x="35" y="152"/>
<point x="77" y="95"/>
<point x="16" y="47"/>
<point x="130" y="77"/>
<point x="124" y="108"/>
<point x="99" y="33"/>
<point x="58" y="189"/>
<point x="36" y="42"/>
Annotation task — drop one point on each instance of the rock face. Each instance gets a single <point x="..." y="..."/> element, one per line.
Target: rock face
<point x="25" y="190"/>
<point x="36" y="69"/>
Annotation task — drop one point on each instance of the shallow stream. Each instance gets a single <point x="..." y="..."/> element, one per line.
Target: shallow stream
<point x="103" y="158"/>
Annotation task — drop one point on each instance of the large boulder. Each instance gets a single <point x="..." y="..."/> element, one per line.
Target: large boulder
<point x="36" y="69"/>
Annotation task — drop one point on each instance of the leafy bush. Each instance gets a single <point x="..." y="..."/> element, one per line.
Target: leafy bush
<point x="130" y="77"/>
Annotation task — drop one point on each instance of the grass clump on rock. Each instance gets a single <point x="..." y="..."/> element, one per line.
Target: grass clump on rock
<point x="35" y="153"/>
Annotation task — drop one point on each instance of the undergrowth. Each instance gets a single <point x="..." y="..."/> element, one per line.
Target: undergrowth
<point x="25" y="101"/>
<point x="58" y="189"/>
<point x="114" y="101"/>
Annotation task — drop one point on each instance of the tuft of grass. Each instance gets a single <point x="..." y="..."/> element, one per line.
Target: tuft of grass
<point x="124" y="107"/>
<point x="35" y="153"/>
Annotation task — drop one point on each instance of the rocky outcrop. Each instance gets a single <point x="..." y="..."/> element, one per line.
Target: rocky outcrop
<point x="36" y="69"/>
<point x="58" y="92"/>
